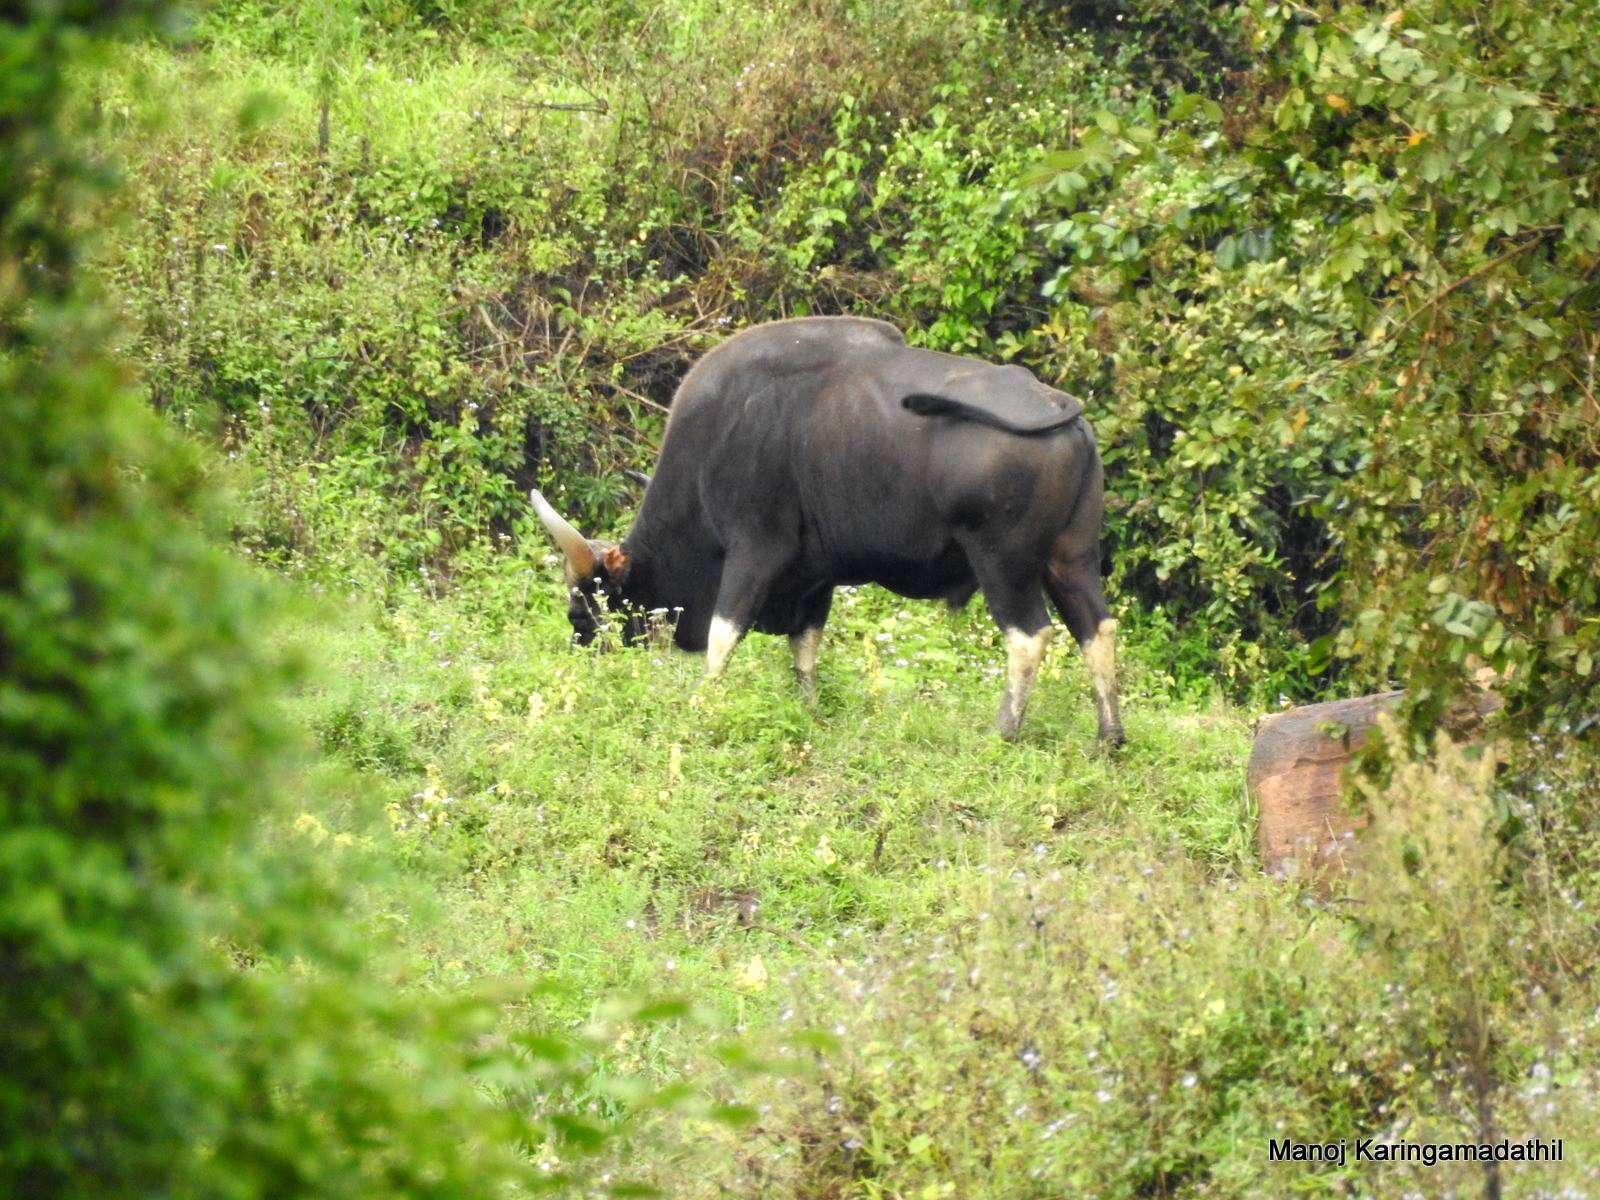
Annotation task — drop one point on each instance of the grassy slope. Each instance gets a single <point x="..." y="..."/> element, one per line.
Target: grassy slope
<point x="605" y="822"/>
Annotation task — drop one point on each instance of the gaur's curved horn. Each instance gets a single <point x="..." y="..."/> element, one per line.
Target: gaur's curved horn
<point x="572" y="543"/>
<point x="638" y="477"/>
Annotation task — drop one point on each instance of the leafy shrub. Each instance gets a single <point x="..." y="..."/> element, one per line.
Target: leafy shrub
<point x="192" y="1003"/>
<point x="1464" y="220"/>
<point x="1166" y="42"/>
<point x="480" y="280"/>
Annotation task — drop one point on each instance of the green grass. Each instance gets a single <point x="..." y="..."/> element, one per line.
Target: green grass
<point x="611" y="801"/>
<point x="1036" y="968"/>
<point x="608" y="820"/>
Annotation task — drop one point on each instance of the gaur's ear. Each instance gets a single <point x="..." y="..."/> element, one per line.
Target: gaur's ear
<point x="638" y="477"/>
<point x="615" y="560"/>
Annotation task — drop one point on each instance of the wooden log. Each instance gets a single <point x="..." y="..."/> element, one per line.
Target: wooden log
<point x="1296" y="778"/>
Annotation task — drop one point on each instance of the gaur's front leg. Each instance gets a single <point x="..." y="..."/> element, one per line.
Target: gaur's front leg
<point x="747" y="576"/>
<point x="804" y="646"/>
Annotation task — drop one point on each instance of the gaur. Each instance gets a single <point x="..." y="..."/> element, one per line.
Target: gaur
<point x="805" y="454"/>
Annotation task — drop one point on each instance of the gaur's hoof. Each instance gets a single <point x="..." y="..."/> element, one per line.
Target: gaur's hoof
<point x="1112" y="742"/>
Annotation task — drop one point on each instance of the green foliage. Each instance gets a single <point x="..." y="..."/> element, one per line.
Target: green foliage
<point x="402" y="340"/>
<point x="1467" y="225"/>
<point x="1360" y="305"/>
<point x="1162" y="43"/>
<point x="488" y="274"/>
<point x="190" y="1004"/>
<point x="401" y="259"/>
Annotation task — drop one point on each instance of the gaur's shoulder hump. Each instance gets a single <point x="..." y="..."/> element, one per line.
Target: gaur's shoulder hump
<point x="799" y="343"/>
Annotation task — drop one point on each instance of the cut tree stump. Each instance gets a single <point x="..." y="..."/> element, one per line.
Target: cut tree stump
<point x="1296" y="778"/>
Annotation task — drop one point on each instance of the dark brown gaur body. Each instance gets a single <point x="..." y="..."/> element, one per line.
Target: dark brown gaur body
<point x="805" y="454"/>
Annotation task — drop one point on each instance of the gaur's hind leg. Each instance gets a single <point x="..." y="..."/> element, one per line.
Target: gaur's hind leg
<point x="805" y="643"/>
<point x="1017" y="605"/>
<point x="1024" y="653"/>
<point x="1074" y="587"/>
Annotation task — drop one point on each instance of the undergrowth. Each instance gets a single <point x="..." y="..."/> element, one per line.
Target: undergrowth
<point x="990" y="969"/>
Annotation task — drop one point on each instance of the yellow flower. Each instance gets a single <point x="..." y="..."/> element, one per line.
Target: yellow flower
<point x="750" y="976"/>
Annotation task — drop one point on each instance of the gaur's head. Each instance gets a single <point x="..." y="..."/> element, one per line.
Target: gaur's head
<point x="597" y="578"/>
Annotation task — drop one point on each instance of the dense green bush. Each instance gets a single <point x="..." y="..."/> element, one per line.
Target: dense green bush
<point x="493" y="270"/>
<point x="1466" y="225"/>
<point x="1351" y="321"/>
<point x="195" y="998"/>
